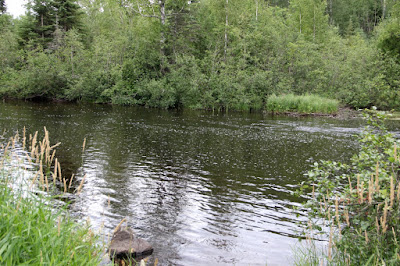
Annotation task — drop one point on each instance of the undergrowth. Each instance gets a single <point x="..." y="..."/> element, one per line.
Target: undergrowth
<point x="356" y="205"/>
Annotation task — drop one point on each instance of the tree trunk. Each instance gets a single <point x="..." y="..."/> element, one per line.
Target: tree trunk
<point x="383" y="9"/>
<point x="256" y="10"/>
<point x="162" y="37"/>
<point x="41" y="20"/>
<point x="226" y="29"/>
<point x="314" y="25"/>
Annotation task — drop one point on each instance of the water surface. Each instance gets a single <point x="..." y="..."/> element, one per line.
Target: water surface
<point x="203" y="188"/>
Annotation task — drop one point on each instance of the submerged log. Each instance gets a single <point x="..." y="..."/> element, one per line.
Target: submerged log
<point x="126" y="246"/>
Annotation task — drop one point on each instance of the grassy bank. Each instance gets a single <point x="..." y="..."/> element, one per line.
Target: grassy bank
<point x="32" y="230"/>
<point x="301" y="104"/>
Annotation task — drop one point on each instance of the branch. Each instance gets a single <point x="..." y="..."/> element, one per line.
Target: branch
<point x="139" y="11"/>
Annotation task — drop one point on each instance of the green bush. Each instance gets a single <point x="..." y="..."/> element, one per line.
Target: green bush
<point x="359" y="201"/>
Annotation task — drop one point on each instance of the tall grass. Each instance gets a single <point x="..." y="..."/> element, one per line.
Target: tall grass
<point x="32" y="230"/>
<point x="302" y="104"/>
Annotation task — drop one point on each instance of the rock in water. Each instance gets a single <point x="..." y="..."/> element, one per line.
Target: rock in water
<point x="125" y="245"/>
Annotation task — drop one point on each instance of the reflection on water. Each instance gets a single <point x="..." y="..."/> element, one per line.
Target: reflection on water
<point x="203" y="188"/>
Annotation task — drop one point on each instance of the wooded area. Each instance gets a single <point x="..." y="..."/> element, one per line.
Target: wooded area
<point x="213" y="54"/>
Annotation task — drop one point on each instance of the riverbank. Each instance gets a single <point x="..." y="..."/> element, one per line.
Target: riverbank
<point x="35" y="228"/>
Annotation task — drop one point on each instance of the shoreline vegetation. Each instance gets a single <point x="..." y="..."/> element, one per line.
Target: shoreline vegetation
<point x="210" y="54"/>
<point x="35" y="227"/>
<point x="354" y="206"/>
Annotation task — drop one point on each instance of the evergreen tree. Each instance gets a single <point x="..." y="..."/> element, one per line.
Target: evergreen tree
<point x="68" y="14"/>
<point x="42" y="14"/>
<point x="3" y="7"/>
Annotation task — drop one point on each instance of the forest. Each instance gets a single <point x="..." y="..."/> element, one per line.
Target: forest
<point x="202" y="54"/>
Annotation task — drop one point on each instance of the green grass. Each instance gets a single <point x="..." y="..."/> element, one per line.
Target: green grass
<point x="301" y="104"/>
<point x="31" y="233"/>
<point x="33" y="230"/>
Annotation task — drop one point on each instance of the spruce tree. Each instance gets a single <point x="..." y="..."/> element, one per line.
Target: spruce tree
<point x="3" y="7"/>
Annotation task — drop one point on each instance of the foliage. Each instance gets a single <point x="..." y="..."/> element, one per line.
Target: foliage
<point x="202" y="54"/>
<point x="360" y="200"/>
<point x="301" y="104"/>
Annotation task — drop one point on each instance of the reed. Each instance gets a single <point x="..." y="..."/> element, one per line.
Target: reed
<point x="32" y="231"/>
<point x="302" y="104"/>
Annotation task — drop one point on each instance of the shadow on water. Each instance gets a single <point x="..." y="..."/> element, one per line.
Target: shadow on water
<point x="203" y="188"/>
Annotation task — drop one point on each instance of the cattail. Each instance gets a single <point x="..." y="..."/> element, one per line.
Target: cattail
<point x="366" y="237"/>
<point x="383" y="222"/>
<point x="6" y="149"/>
<point x="81" y="185"/>
<point x="52" y="157"/>
<point x="377" y="177"/>
<point x="370" y="190"/>
<point x="70" y="181"/>
<point x="156" y="261"/>
<point x="83" y="145"/>
<point x="394" y="235"/>
<point x="41" y="175"/>
<point x="330" y="244"/>
<point x="391" y="191"/>
<point x="398" y="191"/>
<point x="37" y="154"/>
<point x="29" y="159"/>
<point x="346" y="215"/>
<point x="47" y="183"/>
<point x="119" y="225"/>
<point x="377" y="225"/>
<point x="55" y="146"/>
<point x="59" y="171"/>
<point x="65" y="185"/>
<point x="13" y="142"/>
<point x="33" y="180"/>
<point x="313" y="190"/>
<point x="24" y="139"/>
<point x="362" y="192"/>
<point x="351" y="189"/>
<point x="34" y="140"/>
<point x="55" y="170"/>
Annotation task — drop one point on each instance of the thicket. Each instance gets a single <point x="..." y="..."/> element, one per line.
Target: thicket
<point x="357" y="204"/>
<point x="213" y="54"/>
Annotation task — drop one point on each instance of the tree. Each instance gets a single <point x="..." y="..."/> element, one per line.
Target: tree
<point x="68" y="14"/>
<point x="3" y="7"/>
<point x="161" y="10"/>
<point x="308" y="17"/>
<point x="44" y="17"/>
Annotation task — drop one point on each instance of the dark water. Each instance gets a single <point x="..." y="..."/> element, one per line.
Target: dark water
<point x="203" y="188"/>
